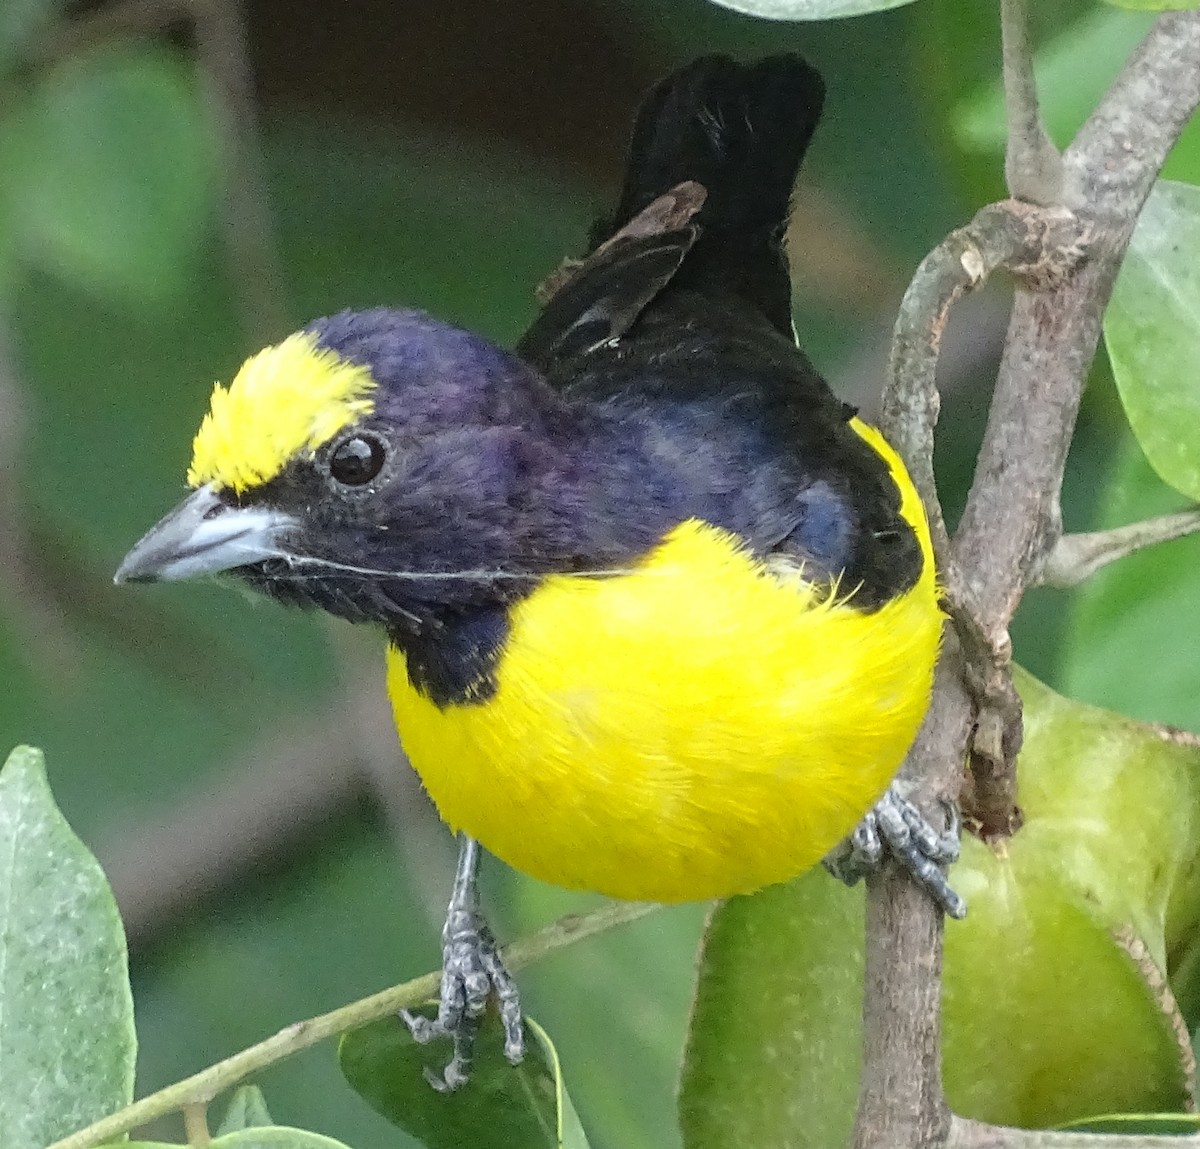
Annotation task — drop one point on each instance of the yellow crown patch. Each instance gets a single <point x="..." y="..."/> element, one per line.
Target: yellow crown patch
<point x="285" y="401"/>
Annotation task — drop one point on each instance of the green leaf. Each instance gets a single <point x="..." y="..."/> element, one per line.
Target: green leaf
<point x="1128" y="614"/>
<point x="1152" y="329"/>
<point x="274" y="1137"/>
<point x="247" y="1110"/>
<point x="1124" y="619"/>
<point x="618" y="1008"/>
<point x="1136" y="1124"/>
<point x="809" y="9"/>
<point x="66" y="1024"/>
<point x="1073" y="71"/>
<point x="501" y="1106"/>
<point x="1104" y="866"/>
<point x="775" y="1037"/>
<point x="570" y="1128"/>
<point x="277" y="1137"/>
<point x="107" y="169"/>
<point x="1155" y="5"/>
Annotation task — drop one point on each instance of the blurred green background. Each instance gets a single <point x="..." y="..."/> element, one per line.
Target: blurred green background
<point x="181" y="183"/>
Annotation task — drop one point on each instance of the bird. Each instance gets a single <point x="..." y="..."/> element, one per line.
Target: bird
<point x="661" y="613"/>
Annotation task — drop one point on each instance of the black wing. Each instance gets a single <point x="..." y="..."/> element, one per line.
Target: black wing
<point x="740" y="132"/>
<point x="685" y="333"/>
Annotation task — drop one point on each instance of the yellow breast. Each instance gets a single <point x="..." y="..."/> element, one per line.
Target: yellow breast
<point x="697" y="728"/>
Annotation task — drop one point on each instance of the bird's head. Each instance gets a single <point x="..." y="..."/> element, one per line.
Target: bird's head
<point x="377" y="464"/>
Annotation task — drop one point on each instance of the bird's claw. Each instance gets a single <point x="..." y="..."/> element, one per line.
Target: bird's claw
<point x="472" y="971"/>
<point x="896" y="825"/>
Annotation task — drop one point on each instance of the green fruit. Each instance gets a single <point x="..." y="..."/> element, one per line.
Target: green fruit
<point x="1057" y="1004"/>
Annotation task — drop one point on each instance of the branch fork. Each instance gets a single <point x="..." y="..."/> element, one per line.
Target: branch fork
<point x="1042" y="247"/>
<point x="1065" y="263"/>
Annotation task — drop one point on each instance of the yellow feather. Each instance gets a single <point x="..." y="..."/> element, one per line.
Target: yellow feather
<point x="285" y="401"/>
<point x="704" y="726"/>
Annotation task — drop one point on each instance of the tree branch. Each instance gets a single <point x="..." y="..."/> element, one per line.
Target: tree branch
<point x="1012" y="517"/>
<point x="1077" y="557"/>
<point x="202" y="1087"/>
<point x="1033" y="166"/>
<point x="1011" y="521"/>
<point x="1039" y="245"/>
<point x="900" y="1100"/>
<point x="195" y="1124"/>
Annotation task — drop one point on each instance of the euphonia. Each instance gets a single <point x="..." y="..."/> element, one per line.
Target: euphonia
<point x="661" y="612"/>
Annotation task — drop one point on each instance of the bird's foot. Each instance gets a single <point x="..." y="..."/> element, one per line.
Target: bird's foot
<point x="472" y="971"/>
<point x="896" y="825"/>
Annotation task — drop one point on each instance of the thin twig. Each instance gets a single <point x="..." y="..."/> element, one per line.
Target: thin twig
<point x="1033" y="166"/>
<point x="202" y="1087"/>
<point x="195" y="1124"/>
<point x="1076" y="557"/>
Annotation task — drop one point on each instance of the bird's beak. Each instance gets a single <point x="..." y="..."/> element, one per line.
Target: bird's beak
<point x="204" y="536"/>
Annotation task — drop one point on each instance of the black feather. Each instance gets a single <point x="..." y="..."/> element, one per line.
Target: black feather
<point x="740" y="131"/>
<point x="604" y="301"/>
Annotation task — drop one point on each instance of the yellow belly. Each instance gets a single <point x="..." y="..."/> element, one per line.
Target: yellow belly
<point x="698" y="728"/>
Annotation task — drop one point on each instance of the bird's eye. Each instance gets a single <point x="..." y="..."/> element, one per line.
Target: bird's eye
<point x="356" y="460"/>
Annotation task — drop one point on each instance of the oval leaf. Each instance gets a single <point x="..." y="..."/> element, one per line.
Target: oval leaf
<point x="1152" y="329"/>
<point x="273" y="1137"/>
<point x="276" y="1137"/>
<point x="247" y="1110"/>
<point x="501" y="1106"/>
<point x="66" y="1027"/>
<point x="1082" y="1030"/>
<point x="108" y="170"/>
<point x="809" y="9"/>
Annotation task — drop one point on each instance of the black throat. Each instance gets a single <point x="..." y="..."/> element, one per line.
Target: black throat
<point x="452" y="659"/>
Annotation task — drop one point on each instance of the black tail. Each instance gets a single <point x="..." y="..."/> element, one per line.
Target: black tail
<point x="741" y="131"/>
